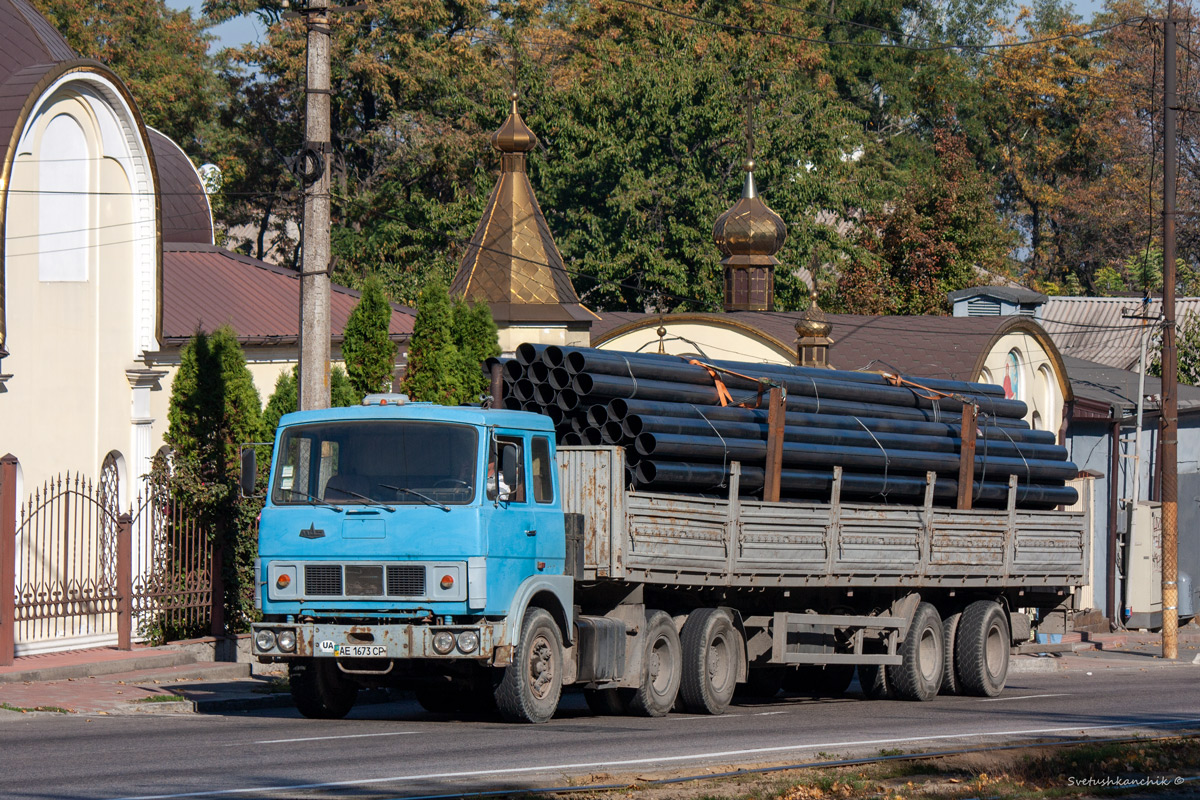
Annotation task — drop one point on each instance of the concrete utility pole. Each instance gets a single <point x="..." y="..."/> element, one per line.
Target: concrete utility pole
<point x="1170" y="358"/>
<point x="313" y="167"/>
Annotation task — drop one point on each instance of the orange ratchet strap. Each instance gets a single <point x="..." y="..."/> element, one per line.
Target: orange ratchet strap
<point x="723" y="391"/>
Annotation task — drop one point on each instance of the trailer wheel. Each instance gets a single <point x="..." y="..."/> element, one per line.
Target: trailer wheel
<point x="919" y="675"/>
<point x="819" y="680"/>
<point x="532" y="683"/>
<point x="662" y="663"/>
<point x="318" y="690"/>
<point x="950" y="682"/>
<point x="607" y="702"/>
<point x="710" y="661"/>
<point x="873" y="680"/>
<point x="981" y="649"/>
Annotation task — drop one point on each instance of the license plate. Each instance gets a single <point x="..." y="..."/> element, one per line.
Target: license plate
<point x="359" y="650"/>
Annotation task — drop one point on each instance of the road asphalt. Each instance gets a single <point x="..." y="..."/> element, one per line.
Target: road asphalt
<point x="171" y="679"/>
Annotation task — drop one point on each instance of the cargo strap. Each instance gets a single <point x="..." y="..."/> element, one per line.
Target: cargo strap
<point x="934" y="395"/>
<point x="723" y="391"/>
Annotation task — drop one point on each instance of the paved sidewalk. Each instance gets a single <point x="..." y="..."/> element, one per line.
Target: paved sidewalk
<point x="170" y="679"/>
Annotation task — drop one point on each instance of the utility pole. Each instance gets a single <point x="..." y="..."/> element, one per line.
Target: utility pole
<point x="313" y="168"/>
<point x="1170" y="358"/>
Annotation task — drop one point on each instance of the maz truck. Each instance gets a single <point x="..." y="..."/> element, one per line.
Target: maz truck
<point x="459" y="553"/>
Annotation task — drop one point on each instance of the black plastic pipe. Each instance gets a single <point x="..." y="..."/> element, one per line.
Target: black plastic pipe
<point x="528" y="353"/>
<point x="597" y="415"/>
<point x="876" y="459"/>
<point x="523" y="390"/>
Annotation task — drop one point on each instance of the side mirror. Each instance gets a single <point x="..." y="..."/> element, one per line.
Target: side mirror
<point x="508" y="466"/>
<point x="249" y="471"/>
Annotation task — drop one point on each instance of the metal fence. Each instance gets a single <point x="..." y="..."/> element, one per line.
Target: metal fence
<point x="81" y="573"/>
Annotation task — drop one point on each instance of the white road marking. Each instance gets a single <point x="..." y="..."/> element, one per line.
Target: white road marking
<point x="769" y="713"/>
<point x="327" y="738"/>
<point x="1023" y="697"/>
<point x="633" y="762"/>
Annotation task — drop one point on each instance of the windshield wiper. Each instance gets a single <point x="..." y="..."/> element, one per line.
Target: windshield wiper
<point x="368" y="500"/>
<point x="314" y="500"/>
<point x="415" y="493"/>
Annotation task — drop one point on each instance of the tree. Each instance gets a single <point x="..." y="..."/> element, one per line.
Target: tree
<point x="160" y="54"/>
<point x="942" y="233"/>
<point x="433" y="365"/>
<point x="369" y="353"/>
<point x="1187" y="349"/>
<point x="285" y="398"/>
<point x="214" y="409"/>
<point x="476" y="340"/>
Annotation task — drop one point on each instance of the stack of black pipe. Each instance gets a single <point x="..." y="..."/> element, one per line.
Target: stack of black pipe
<point x="678" y="436"/>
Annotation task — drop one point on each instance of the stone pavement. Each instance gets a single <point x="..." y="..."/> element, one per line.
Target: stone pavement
<point x="174" y="679"/>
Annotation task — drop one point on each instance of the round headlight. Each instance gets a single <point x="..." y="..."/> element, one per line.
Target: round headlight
<point x="286" y="641"/>
<point x="264" y="640"/>
<point x="447" y="583"/>
<point x="468" y="641"/>
<point x="443" y="642"/>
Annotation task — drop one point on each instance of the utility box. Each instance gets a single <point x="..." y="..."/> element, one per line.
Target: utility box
<point x="1143" y="591"/>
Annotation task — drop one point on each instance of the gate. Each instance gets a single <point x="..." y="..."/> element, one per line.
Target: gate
<point x="81" y="574"/>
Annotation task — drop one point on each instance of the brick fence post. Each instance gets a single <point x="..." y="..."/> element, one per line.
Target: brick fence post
<point x="8" y="558"/>
<point x="125" y="582"/>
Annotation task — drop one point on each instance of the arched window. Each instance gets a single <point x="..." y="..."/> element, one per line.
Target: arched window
<point x="64" y="221"/>
<point x="1012" y="375"/>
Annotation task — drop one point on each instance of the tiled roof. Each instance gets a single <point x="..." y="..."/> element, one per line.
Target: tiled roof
<point x="183" y="203"/>
<point x="928" y="346"/>
<point x="1094" y="328"/>
<point x="205" y="287"/>
<point x="27" y="38"/>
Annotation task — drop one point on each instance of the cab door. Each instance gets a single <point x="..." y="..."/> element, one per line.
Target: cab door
<point x="512" y="525"/>
<point x="545" y="505"/>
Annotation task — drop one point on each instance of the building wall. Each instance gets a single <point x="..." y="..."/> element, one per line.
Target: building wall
<point x="695" y="338"/>
<point x="510" y="337"/>
<point x="1031" y="376"/>
<point x="81" y="271"/>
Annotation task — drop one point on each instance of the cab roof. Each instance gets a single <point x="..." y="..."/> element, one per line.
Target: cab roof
<point x="463" y="415"/>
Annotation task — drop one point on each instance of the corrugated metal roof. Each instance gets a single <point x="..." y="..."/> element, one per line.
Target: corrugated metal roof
<point x="182" y="201"/>
<point x="205" y="287"/>
<point x="1094" y="328"/>
<point x="1117" y="388"/>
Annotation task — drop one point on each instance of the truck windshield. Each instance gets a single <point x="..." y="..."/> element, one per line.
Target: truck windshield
<point x="382" y="463"/>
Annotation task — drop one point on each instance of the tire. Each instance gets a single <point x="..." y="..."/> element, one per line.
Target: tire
<point x="532" y="684"/>
<point x="950" y="682"/>
<point x="662" y="663"/>
<point x="318" y="690"/>
<point x="981" y="649"/>
<point x="607" y="702"/>
<point x="919" y="675"/>
<point x="762" y="683"/>
<point x="819" y="680"/>
<point x="711" y="656"/>
<point x="873" y="680"/>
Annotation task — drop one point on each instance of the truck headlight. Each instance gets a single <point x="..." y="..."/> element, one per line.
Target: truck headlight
<point x="468" y="641"/>
<point x="443" y="642"/>
<point x="264" y="640"/>
<point x="286" y="640"/>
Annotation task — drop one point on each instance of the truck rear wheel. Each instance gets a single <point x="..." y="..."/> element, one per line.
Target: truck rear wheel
<point x="981" y="649"/>
<point x="710" y="661"/>
<point x="919" y="675"/>
<point x="532" y="683"/>
<point x="662" y="663"/>
<point x="319" y="690"/>
<point x="950" y="682"/>
<point x="873" y="680"/>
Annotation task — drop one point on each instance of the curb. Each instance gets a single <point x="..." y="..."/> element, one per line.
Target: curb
<point x="96" y="668"/>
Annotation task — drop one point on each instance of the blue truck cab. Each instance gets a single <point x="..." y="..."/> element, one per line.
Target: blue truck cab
<point x="409" y="543"/>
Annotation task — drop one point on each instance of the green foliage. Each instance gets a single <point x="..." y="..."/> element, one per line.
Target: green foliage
<point x="369" y="354"/>
<point x="285" y="398"/>
<point x="433" y="374"/>
<point x="214" y="408"/>
<point x="476" y="341"/>
<point x="1187" y="348"/>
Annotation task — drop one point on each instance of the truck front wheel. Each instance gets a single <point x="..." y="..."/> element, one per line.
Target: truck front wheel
<point x="711" y="656"/>
<point x="319" y="690"/>
<point x="532" y="683"/>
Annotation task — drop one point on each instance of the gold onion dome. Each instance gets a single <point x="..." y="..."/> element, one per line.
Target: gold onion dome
<point x="749" y="232"/>
<point x="813" y="323"/>
<point x="514" y="135"/>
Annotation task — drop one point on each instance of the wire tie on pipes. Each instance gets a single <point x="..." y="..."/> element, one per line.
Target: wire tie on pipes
<point x="886" y="461"/>
<point x="1028" y="475"/>
<point x="725" y="457"/>
<point x="629" y="367"/>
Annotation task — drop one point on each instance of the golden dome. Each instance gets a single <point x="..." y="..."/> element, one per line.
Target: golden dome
<point x="514" y="135"/>
<point x="812" y="323"/>
<point x="749" y="232"/>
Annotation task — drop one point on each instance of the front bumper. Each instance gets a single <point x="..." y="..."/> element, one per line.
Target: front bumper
<point x="400" y="641"/>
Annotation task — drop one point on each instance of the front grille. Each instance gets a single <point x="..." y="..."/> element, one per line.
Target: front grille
<point x="405" y="581"/>
<point x="364" y="581"/>
<point x="323" y="579"/>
